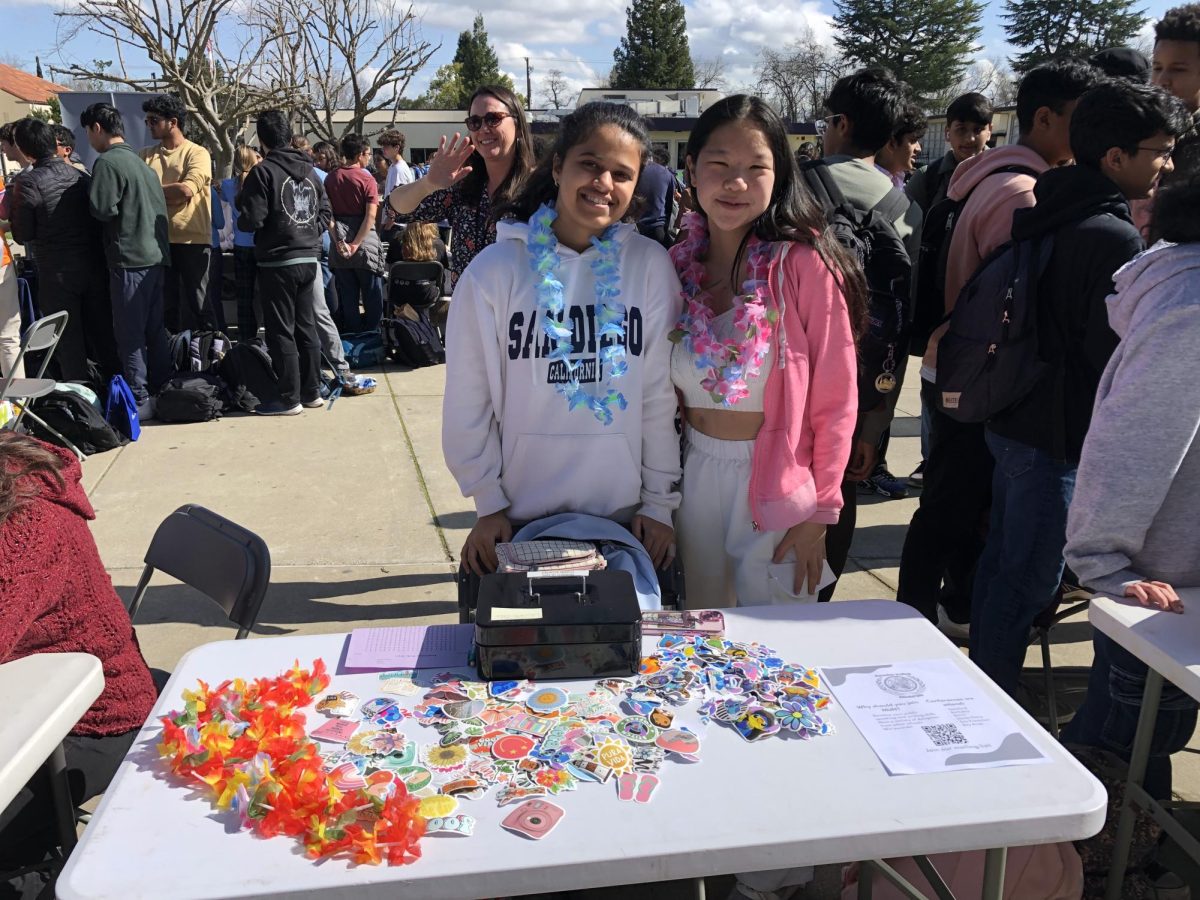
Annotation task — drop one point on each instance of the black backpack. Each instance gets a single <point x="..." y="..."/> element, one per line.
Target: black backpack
<point x="197" y="397"/>
<point x="199" y="351"/>
<point x="929" y="308"/>
<point x="246" y="370"/>
<point x="872" y="238"/>
<point x="412" y="339"/>
<point x="75" y="419"/>
<point x="992" y="356"/>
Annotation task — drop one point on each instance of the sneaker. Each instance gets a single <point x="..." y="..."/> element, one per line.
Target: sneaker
<point x="315" y="403"/>
<point x="951" y="628"/>
<point x="356" y="385"/>
<point x="917" y="478"/>
<point x="146" y="410"/>
<point x="278" y="409"/>
<point x="885" y="484"/>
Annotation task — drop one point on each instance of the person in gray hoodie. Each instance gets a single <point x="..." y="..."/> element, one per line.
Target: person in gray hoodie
<point x="1133" y="520"/>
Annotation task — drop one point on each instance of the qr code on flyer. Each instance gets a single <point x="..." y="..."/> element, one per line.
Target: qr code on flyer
<point x="944" y="735"/>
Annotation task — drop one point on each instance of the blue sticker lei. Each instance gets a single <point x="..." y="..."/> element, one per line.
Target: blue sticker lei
<point x="610" y="313"/>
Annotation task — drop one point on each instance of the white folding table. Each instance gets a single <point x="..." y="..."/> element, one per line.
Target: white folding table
<point x="42" y="697"/>
<point x="1169" y="644"/>
<point x="746" y="807"/>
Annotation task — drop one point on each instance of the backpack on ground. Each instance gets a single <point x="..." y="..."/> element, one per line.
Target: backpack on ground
<point x="199" y="351"/>
<point x="412" y="339"/>
<point x="929" y="306"/>
<point x="364" y="348"/>
<point x="194" y="397"/>
<point x="871" y="237"/>
<point x="76" y="419"/>
<point x="991" y="356"/>
<point x="246" y="370"/>
<point x="121" y="409"/>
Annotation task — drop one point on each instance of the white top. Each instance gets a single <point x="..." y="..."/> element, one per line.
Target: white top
<point x="686" y="377"/>
<point x="744" y="807"/>
<point x="508" y="437"/>
<point x="42" y="697"/>
<point x="1165" y="641"/>
<point x="398" y="173"/>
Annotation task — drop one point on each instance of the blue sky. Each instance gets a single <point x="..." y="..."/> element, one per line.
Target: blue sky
<point x="576" y="38"/>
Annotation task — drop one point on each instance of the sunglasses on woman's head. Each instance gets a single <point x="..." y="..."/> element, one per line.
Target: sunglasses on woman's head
<point x="491" y="120"/>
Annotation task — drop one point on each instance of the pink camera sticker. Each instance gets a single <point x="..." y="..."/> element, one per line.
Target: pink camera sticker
<point x="534" y="819"/>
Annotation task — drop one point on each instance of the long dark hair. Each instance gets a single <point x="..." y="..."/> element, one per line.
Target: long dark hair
<point x="792" y="214"/>
<point x="20" y="458"/>
<point x="472" y="187"/>
<point x="576" y="128"/>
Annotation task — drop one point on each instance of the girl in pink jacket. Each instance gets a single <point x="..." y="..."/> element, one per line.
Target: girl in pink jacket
<point x="766" y="374"/>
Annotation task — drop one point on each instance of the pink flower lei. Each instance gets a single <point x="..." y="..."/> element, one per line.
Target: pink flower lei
<point x="730" y="364"/>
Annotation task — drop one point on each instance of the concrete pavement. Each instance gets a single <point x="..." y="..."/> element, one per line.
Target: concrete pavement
<point x="364" y="523"/>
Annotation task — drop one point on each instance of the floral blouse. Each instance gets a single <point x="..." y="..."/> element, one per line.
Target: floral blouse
<point x="471" y="226"/>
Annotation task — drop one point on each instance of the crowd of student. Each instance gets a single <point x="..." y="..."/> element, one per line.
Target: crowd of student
<point x="158" y="223"/>
<point x="574" y="341"/>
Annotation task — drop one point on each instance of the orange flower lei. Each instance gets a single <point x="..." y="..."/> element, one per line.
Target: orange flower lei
<point x="246" y="742"/>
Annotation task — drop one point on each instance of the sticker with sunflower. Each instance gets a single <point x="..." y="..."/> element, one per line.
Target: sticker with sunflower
<point x="445" y="759"/>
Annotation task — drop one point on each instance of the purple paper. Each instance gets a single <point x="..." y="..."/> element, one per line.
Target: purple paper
<point x="409" y="647"/>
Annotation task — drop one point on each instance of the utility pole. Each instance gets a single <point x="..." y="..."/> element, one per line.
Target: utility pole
<point x="528" y="86"/>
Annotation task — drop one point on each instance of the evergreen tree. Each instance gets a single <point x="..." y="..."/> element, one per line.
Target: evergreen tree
<point x="476" y="63"/>
<point x="654" y="53"/>
<point x="1043" y="30"/>
<point x="926" y="43"/>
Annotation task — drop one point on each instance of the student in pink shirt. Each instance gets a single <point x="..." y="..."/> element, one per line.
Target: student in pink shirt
<point x="764" y="363"/>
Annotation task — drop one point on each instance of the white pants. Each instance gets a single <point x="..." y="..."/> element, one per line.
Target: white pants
<point x="725" y="561"/>
<point x="10" y="322"/>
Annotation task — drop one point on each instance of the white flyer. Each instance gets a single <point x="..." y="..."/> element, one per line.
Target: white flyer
<point x="929" y="716"/>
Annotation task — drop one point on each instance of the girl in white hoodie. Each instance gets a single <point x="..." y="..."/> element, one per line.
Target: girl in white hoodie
<point x="558" y="389"/>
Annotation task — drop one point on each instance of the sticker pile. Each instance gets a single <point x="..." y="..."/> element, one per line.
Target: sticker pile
<point x="535" y="742"/>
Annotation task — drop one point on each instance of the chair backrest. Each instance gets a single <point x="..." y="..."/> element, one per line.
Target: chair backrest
<point x="217" y="557"/>
<point x="42" y="335"/>
<point x="415" y="283"/>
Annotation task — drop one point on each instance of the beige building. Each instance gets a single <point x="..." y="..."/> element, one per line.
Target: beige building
<point x="21" y="95"/>
<point x="671" y="115"/>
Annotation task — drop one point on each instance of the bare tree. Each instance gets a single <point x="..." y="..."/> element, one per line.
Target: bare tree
<point x="556" y="90"/>
<point x="990" y="77"/>
<point x="710" y="73"/>
<point x="204" y="53"/>
<point x="357" y="56"/>
<point x="796" y="79"/>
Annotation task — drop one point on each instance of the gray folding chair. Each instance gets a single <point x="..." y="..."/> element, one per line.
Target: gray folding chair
<point x="217" y="557"/>
<point x="42" y="335"/>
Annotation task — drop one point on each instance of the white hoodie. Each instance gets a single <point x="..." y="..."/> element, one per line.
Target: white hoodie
<point x="507" y="435"/>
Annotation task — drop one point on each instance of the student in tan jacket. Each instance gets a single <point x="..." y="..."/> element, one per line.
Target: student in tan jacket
<point x="185" y="170"/>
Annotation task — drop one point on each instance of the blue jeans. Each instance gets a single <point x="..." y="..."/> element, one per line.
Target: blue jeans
<point x="350" y="284"/>
<point x="1022" y="562"/>
<point x="1109" y="715"/>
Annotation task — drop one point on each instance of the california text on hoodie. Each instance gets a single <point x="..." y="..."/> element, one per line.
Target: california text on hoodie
<point x="1094" y="235"/>
<point x="507" y="435"/>
<point x="1137" y="493"/>
<point x="284" y="204"/>
<point x="57" y="598"/>
<point x="986" y="220"/>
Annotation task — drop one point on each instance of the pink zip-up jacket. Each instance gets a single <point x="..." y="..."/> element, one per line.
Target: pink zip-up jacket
<point x="810" y="400"/>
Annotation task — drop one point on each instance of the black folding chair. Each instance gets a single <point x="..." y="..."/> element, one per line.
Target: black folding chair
<point x="219" y="558"/>
<point x="41" y="337"/>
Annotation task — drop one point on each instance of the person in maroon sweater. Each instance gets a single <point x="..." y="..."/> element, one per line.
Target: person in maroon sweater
<point x="55" y="597"/>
